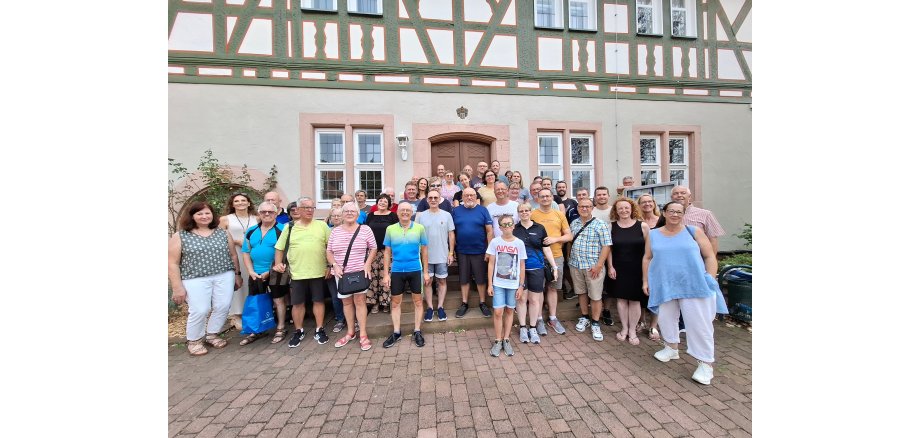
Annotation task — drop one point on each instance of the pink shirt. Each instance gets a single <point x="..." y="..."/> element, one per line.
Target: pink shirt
<point x="338" y="245"/>
<point x="702" y="218"/>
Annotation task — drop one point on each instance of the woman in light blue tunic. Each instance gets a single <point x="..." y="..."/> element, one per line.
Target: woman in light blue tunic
<point x="678" y="273"/>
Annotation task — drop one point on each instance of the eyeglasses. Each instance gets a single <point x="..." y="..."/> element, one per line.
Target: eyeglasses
<point x="506" y="225"/>
<point x="679" y="213"/>
<point x="435" y="185"/>
<point x="266" y="212"/>
<point x="307" y="208"/>
<point x="585" y="206"/>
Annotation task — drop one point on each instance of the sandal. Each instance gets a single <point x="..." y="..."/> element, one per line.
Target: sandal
<point x="280" y="334"/>
<point x="249" y="339"/>
<point x="634" y="340"/>
<point x="621" y="337"/>
<point x="653" y="334"/>
<point x="365" y="343"/>
<point x="215" y="342"/>
<point x="196" y="348"/>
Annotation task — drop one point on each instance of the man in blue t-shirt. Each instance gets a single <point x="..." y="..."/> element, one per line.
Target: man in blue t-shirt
<point x="473" y="226"/>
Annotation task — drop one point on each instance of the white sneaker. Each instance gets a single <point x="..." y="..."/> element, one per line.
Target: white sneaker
<point x="596" y="332"/>
<point x="667" y="353"/>
<point x="703" y="373"/>
<point x="582" y="324"/>
<point x="525" y="335"/>
<point x="534" y="336"/>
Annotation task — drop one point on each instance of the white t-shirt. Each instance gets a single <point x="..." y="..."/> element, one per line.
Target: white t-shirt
<point x="496" y="211"/>
<point x="508" y="257"/>
<point x="602" y="215"/>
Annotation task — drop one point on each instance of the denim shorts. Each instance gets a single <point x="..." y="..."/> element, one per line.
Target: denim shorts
<point x="437" y="270"/>
<point x="503" y="298"/>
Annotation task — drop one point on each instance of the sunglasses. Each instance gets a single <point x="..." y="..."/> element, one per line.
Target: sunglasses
<point x="266" y="212"/>
<point x="506" y="225"/>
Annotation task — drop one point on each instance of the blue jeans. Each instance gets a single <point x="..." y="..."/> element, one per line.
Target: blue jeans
<point x="336" y="301"/>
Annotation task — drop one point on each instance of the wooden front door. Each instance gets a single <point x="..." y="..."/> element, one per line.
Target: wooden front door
<point x="455" y="154"/>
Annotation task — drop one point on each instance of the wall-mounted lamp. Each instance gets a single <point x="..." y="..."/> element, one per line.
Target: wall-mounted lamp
<point x="403" y="140"/>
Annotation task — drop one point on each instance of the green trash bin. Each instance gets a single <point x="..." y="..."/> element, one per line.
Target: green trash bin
<point x="737" y="280"/>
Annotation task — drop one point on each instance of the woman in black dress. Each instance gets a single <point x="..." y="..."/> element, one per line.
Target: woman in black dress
<point x="378" y="296"/>
<point x="628" y="234"/>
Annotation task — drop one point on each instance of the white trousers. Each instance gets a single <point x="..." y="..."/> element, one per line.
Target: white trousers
<point x="205" y="295"/>
<point x="698" y="315"/>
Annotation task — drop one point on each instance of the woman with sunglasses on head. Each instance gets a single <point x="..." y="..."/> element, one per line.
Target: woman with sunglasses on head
<point x="361" y="250"/>
<point x="506" y="255"/>
<point x="378" y="296"/>
<point x="240" y="214"/>
<point x="678" y="275"/>
<point x="649" y="213"/>
<point x="258" y="258"/>
<point x="203" y="271"/>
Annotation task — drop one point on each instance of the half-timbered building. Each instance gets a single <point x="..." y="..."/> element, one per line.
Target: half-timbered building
<point x="349" y="94"/>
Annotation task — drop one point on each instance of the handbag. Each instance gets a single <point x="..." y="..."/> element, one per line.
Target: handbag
<point x="257" y="286"/>
<point x="276" y="278"/>
<point x="352" y="282"/>
<point x="258" y="315"/>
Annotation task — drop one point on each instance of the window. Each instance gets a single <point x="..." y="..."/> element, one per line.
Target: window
<point x="369" y="161"/>
<point x="677" y="159"/>
<point x="582" y="15"/>
<point x="582" y="159"/>
<point x="683" y="18"/>
<point x="548" y="13"/>
<point x="373" y="7"/>
<point x="648" y="159"/>
<point x="319" y="5"/>
<point x="550" y="155"/>
<point x="330" y="164"/>
<point x="648" y="17"/>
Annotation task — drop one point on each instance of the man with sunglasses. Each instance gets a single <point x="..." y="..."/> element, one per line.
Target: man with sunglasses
<point x="439" y="227"/>
<point x="445" y="205"/>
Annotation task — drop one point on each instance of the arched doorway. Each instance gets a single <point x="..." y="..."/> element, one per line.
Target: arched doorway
<point x="456" y="153"/>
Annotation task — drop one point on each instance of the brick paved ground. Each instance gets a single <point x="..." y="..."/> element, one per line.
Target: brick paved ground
<point x="569" y="385"/>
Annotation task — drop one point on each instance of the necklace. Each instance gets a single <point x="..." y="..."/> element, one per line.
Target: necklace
<point x="248" y="218"/>
<point x="198" y="233"/>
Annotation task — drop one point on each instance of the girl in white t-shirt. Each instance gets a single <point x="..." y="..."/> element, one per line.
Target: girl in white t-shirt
<point x="506" y="255"/>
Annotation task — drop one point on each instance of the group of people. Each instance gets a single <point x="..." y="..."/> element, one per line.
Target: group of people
<point x="515" y="246"/>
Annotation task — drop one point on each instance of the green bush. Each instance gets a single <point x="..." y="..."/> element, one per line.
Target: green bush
<point x="736" y="259"/>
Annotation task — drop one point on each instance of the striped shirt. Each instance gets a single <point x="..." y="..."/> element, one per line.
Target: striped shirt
<point x="338" y="246"/>
<point x="586" y="249"/>
<point x="702" y="218"/>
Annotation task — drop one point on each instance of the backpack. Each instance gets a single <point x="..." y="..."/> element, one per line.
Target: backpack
<point x="259" y="225"/>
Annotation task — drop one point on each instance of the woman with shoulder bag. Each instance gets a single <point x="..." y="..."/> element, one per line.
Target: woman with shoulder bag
<point x="351" y="251"/>
<point x="678" y="275"/>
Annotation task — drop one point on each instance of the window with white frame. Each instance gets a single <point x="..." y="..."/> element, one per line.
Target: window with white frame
<point x="582" y="162"/>
<point x="319" y="5"/>
<point x="548" y="13"/>
<point x="374" y="7"/>
<point x="677" y="159"/>
<point x="648" y="17"/>
<point x="549" y="149"/>
<point x="330" y="159"/>
<point x="683" y="18"/>
<point x="582" y="14"/>
<point x="649" y="162"/>
<point x="368" y="166"/>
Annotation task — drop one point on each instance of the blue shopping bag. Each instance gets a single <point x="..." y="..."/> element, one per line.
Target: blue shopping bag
<point x="258" y="315"/>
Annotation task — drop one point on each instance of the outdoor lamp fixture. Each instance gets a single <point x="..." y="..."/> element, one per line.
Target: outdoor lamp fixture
<point x="403" y="140"/>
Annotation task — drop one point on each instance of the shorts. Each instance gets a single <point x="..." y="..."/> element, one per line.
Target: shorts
<point x="584" y="284"/>
<point x="534" y="280"/>
<point x="439" y="270"/>
<point x="560" y="262"/>
<point x="279" y="291"/>
<point x="475" y="263"/>
<point x="503" y="298"/>
<point x="316" y="287"/>
<point x="403" y="281"/>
